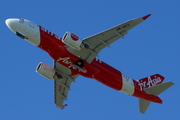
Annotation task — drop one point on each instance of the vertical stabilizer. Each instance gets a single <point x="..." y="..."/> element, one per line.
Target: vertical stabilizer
<point x="150" y="81"/>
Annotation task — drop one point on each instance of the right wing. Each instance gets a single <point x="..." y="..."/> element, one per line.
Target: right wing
<point x="103" y="39"/>
<point x="62" y="86"/>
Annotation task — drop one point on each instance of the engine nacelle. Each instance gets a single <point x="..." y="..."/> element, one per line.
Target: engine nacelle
<point x="46" y="71"/>
<point x="72" y="40"/>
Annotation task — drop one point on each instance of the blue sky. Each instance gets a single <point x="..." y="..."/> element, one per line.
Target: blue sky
<point x="151" y="47"/>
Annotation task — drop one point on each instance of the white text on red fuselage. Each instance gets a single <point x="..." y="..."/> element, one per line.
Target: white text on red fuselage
<point x="67" y="61"/>
<point x="50" y="33"/>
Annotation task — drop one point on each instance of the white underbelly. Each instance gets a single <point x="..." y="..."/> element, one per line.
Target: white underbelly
<point x="127" y="85"/>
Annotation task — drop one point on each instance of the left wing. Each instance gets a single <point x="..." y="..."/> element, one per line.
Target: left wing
<point x="62" y="86"/>
<point x="103" y="39"/>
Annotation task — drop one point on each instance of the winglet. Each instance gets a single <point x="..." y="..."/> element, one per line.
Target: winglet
<point x="145" y="17"/>
<point x="64" y="106"/>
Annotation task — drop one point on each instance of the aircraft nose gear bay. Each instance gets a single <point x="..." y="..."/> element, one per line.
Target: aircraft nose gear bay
<point x="74" y="56"/>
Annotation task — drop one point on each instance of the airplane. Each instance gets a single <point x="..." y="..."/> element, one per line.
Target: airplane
<point x="74" y="56"/>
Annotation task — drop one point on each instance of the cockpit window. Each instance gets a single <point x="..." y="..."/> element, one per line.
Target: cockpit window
<point x="32" y="24"/>
<point x="21" y="20"/>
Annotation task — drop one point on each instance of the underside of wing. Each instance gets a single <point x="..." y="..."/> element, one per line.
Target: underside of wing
<point x="103" y="39"/>
<point x="62" y="85"/>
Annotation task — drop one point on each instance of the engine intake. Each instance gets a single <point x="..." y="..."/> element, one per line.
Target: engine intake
<point x="72" y="40"/>
<point x="46" y="71"/>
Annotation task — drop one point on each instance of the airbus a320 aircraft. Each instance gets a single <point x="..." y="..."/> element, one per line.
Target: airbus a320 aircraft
<point x="74" y="56"/>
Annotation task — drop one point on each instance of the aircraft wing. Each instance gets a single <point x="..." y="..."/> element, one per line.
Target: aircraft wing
<point x="62" y="86"/>
<point x="103" y="39"/>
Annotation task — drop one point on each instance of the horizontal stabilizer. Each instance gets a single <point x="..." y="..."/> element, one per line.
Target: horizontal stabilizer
<point x="156" y="90"/>
<point x="143" y="105"/>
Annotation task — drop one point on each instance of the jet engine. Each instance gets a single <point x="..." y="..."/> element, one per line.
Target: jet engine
<point x="72" y="40"/>
<point x="47" y="72"/>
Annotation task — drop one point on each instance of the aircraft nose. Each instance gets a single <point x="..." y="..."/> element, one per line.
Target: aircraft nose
<point x="12" y="24"/>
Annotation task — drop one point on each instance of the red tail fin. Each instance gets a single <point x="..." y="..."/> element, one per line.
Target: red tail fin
<point x="150" y="81"/>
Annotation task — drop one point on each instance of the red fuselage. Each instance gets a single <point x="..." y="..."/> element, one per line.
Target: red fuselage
<point x="97" y="69"/>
